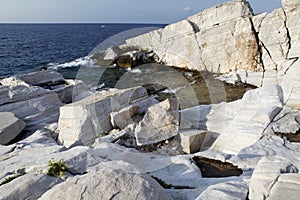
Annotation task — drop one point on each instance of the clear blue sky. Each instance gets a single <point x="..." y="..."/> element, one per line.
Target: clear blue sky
<point x="112" y="11"/>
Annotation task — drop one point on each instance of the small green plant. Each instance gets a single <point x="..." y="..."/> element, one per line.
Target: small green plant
<point x="10" y="178"/>
<point x="103" y="134"/>
<point x="57" y="168"/>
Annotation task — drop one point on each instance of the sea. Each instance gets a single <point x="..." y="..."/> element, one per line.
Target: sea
<point x="27" y="48"/>
<point x="69" y="49"/>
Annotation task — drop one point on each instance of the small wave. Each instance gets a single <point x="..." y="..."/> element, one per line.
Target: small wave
<point x="172" y="91"/>
<point x="85" y="61"/>
<point x="97" y="88"/>
<point x="136" y="71"/>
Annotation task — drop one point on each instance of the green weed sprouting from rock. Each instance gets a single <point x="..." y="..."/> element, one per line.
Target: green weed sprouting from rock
<point x="57" y="168"/>
<point x="103" y="134"/>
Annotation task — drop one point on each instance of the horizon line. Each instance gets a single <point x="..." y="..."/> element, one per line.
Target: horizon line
<point x="84" y="23"/>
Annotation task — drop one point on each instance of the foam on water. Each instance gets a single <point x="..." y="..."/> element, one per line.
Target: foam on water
<point x="173" y="91"/>
<point x="85" y="61"/>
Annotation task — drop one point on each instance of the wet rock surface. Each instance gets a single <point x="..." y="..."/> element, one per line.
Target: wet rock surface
<point x="191" y="87"/>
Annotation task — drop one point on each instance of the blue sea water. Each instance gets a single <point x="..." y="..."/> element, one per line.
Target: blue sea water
<point x="28" y="47"/>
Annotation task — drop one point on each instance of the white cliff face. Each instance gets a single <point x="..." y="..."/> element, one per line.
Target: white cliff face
<point x="290" y="5"/>
<point x="225" y="36"/>
<point x="221" y="13"/>
<point x="219" y="39"/>
<point x="274" y="39"/>
<point x="292" y="11"/>
<point x="228" y="38"/>
<point x="234" y="47"/>
<point x="185" y="52"/>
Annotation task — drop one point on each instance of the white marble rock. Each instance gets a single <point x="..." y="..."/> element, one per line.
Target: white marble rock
<point x="84" y="120"/>
<point x="108" y="184"/>
<point x="191" y="140"/>
<point x="10" y="127"/>
<point x="160" y="122"/>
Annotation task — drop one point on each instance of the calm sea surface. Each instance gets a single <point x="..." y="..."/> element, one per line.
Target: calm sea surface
<point x="28" y="47"/>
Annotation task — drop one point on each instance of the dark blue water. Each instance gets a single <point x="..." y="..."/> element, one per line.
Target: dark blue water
<point x="28" y="47"/>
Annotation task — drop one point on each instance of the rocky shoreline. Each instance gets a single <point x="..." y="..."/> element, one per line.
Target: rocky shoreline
<point x="61" y="140"/>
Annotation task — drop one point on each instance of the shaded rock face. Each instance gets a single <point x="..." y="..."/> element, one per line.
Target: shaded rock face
<point x="192" y="140"/>
<point x="72" y="90"/>
<point x="124" y="117"/>
<point x="108" y="184"/>
<point x="216" y="168"/>
<point x="13" y="94"/>
<point x="124" y="56"/>
<point x="10" y="127"/>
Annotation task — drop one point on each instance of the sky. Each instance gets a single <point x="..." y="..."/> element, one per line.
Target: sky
<point x="111" y="11"/>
